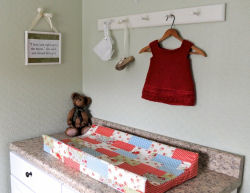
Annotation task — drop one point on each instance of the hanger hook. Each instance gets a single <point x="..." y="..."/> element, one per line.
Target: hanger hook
<point x="171" y="15"/>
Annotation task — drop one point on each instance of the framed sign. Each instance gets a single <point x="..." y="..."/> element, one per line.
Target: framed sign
<point x="42" y="48"/>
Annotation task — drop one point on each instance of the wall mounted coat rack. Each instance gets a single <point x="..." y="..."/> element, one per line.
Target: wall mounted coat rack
<point x="210" y="13"/>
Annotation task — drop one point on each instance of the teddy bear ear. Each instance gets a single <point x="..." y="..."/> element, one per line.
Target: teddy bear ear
<point x="75" y="95"/>
<point x="87" y="100"/>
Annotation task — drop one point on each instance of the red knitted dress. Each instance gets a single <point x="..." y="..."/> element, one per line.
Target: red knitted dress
<point x="169" y="79"/>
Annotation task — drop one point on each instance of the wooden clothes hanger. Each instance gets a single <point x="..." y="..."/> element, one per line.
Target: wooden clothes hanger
<point x="174" y="33"/>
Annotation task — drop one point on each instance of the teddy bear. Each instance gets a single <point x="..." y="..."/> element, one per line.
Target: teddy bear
<point x="79" y="117"/>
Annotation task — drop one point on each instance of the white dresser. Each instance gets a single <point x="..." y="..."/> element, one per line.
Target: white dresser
<point x="26" y="178"/>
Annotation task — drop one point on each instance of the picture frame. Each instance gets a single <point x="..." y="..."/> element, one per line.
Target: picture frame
<point x="42" y="48"/>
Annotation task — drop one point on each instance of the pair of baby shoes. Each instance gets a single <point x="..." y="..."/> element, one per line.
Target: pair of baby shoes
<point x="124" y="62"/>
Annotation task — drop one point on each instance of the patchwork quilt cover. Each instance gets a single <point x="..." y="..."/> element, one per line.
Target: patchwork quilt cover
<point x="126" y="162"/>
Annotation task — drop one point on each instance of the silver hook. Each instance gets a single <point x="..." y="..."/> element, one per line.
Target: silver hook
<point x="124" y="20"/>
<point x="145" y="17"/>
<point x="107" y="22"/>
<point x="197" y="13"/>
<point x="171" y="15"/>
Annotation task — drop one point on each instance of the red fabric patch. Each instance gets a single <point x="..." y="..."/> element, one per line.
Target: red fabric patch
<point x="184" y="155"/>
<point x="104" y="131"/>
<point x="123" y="145"/>
<point x="133" y="169"/>
<point x="65" y="140"/>
<point x="58" y="156"/>
<point x="107" y="152"/>
<point x="150" y="169"/>
<point x="72" y="163"/>
<point x="93" y="141"/>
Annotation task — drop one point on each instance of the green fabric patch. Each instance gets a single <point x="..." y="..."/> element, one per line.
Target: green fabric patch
<point x="155" y="180"/>
<point x="121" y="158"/>
<point x="77" y="143"/>
<point x="109" y="159"/>
<point x="129" y="190"/>
<point x="169" y="176"/>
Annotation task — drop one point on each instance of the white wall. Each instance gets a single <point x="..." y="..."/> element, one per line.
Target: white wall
<point x="221" y="118"/>
<point x="34" y="100"/>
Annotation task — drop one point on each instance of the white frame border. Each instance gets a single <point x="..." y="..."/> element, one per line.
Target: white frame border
<point x="26" y="48"/>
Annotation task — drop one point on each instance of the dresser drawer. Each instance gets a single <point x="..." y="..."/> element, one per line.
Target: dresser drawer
<point x="37" y="180"/>
<point x="18" y="187"/>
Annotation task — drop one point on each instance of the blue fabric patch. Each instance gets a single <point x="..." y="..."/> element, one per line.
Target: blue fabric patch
<point x="97" y="166"/>
<point x="171" y="170"/>
<point x="91" y="151"/>
<point x="46" y="148"/>
<point x="126" y="153"/>
<point x="140" y="142"/>
<point x="167" y="161"/>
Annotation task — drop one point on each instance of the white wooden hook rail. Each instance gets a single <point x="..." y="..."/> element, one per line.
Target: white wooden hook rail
<point x="210" y="13"/>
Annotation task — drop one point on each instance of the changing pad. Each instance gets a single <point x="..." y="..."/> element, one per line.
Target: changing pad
<point x="123" y="161"/>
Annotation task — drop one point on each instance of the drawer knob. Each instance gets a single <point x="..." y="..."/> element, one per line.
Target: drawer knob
<point x="28" y="174"/>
